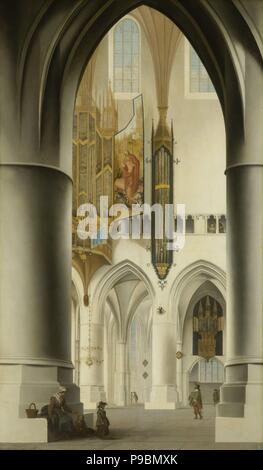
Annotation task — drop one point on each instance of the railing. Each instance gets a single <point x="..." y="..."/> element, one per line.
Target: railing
<point x="205" y="224"/>
<point x="195" y="224"/>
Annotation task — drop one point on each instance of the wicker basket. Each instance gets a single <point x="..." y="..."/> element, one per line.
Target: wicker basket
<point x="32" y="411"/>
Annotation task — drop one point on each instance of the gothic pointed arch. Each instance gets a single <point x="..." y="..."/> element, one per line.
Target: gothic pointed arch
<point x="74" y="34"/>
<point x="187" y="283"/>
<point x="105" y="279"/>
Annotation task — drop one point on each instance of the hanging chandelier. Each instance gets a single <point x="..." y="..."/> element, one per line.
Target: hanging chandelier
<point x="91" y="356"/>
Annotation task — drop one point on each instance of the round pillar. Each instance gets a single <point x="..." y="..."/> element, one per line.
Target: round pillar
<point x="35" y="292"/>
<point x="245" y="265"/>
<point x="241" y="394"/>
<point x="163" y="394"/>
<point x="179" y="371"/>
<point x="35" y="288"/>
<point x="121" y="374"/>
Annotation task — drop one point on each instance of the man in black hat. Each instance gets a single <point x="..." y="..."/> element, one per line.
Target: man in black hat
<point x="216" y="397"/>
<point x="102" y="420"/>
<point x="195" y="400"/>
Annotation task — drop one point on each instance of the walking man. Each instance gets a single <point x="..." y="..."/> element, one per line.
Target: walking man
<point x="195" y="400"/>
<point x="216" y="397"/>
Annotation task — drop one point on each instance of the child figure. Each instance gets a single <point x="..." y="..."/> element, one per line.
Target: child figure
<point x="102" y="420"/>
<point x="81" y="428"/>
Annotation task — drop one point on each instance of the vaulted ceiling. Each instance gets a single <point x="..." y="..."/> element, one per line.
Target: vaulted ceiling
<point x="163" y="37"/>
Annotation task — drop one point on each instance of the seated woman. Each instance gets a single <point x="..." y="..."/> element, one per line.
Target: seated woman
<point x="59" y="414"/>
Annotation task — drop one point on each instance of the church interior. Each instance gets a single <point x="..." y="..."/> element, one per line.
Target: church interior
<point x="119" y="342"/>
<point x="95" y="93"/>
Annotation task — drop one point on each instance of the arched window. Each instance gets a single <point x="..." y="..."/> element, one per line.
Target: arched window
<point x="211" y="371"/>
<point x="199" y="79"/>
<point x="126" y="57"/>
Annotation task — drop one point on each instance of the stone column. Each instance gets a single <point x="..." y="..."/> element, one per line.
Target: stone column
<point x="163" y="394"/>
<point x="242" y="392"/>
<point x="35" y="295"/>
<point x="241" y="407"/>
<point x="179" y="371"/>
<point x="128" y="379"/>
<point x="121" y="374"/>
<point x="35" y="250"/>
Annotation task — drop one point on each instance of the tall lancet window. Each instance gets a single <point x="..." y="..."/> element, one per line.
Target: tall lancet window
<point x="199" y="79"/>
<point x="126" y="57"/>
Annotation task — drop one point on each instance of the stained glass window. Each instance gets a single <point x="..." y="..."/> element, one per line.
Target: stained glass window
<point x="126" y="50"/>
<point x="199" y="78"/>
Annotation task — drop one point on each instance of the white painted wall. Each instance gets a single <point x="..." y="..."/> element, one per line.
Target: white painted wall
<point x="199" y="180"/>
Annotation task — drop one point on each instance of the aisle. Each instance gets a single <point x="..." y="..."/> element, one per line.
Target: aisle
<point x="134" y="428"/>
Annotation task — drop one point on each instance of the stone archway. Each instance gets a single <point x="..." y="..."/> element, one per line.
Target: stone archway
<point x="36" y="149"/>
<point x="209" y="374"/>
<point x="188" y="282"/>
<point x="108" y="290"/>
<point x="105" y="278"/>
<point x="193" y="283"/>
<point x="209" y="369"/>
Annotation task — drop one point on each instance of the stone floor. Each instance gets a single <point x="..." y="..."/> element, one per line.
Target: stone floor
<point x="134" y="428"/>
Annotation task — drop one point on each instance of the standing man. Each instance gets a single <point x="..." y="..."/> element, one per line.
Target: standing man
<point x="195" y="400"/>
<point x="216" y="397"/>
<point x="134" y="397"/>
